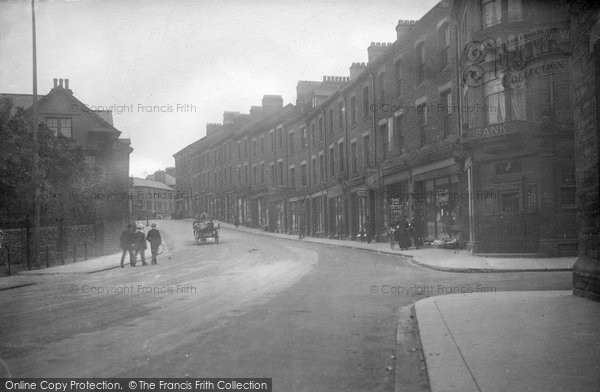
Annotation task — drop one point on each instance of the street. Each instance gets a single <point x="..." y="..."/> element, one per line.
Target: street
<point x="312" y="317"/>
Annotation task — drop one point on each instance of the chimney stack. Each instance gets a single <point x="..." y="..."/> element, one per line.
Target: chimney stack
<point x="376" y="49"/>
<point x="55" y="82"/>
<point x="66" y="84"/>
<point x="403" y="27"/>
<point x="60" y="83"/>
<point x="272" y="103"/>
<point x="356" y="69"/>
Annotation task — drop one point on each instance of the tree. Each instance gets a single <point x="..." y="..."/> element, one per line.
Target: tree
<point x="66" y="178"/>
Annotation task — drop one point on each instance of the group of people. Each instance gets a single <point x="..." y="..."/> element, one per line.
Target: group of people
<point x="405" y="234"/>
<point x="134" y="242"/>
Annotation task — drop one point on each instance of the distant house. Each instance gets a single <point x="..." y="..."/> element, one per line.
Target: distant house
<point x="94" y="132"/>
<point x="166" y="176"/>
<point x="152" y="200"/>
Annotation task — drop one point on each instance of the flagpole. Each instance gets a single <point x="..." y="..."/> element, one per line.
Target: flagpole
<point x="36" y="158"/>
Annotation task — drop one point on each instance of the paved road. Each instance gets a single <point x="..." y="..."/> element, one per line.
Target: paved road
<point x="312" y="317"/>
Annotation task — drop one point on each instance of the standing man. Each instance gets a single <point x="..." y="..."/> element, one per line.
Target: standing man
<point x="155" y="240"/>
<point x="127" y="244"/>
<point x="140" y="244"/>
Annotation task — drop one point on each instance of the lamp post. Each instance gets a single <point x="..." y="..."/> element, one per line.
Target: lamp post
<point x="35" y="230"/>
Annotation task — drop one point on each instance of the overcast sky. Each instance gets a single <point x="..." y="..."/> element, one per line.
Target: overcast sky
<point x="208" y="55"/>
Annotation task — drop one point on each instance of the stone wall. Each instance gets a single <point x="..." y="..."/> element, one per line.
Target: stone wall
<point x="585" y="92"/>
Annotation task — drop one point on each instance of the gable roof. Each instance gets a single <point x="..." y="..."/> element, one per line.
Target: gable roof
<point x="150" y="184"/>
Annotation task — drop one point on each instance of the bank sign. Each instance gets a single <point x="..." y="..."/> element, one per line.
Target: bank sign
<point x="495" y="130"/>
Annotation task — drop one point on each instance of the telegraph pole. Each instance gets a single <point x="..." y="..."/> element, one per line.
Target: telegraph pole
<point x="35" y="232"/>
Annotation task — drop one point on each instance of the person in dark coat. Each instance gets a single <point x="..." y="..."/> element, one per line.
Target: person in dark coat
<point x="402" y="235"/>
<point x="155" y="240"/>
<point x="415" y="233"/>
<point x="127" y="243"/>
<point x="140" y="245"/>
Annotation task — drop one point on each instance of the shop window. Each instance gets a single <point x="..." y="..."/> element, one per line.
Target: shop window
<point x="398" y="137"/>
<point x="510" y="202"/>
<point x="518" y="103"/>
<point x="385" y="143"/>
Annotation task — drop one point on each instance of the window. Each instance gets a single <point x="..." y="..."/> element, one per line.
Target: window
<point x="518" y="103"/>
<point x="354" y="153"/>
<point x="341" y="156"/>
<point x="280" y="167"/>
<point x="273" y="175"/>
<point x="492" y="12"/>
<point x="322" y="166"/>
<point x="239" y="148"/>
<point x="366" y="155"/>
<point x="398" y="137"/>
<point x="65" y="127"/>
<point x="365" y="101"/>
<point x="444" y="37"/>
<point x="353" y="110"/>
<point x="340" y="114"/>
<point x="272" y="141"/>
<point x="262" y="173"/>
<point x="331" y="162"/>
<point x="420" y="60"/>
<point x="381" y="85"/>
<point x="246" y="175"/>
<point x="446" y="110"/>
<point x="292" y="177"/>
<point x="303" y="174"/>
<point x="422" y="113"/>
<point x="254" y="147"/>
<point x="291" y="142"/>
<point x="255" y="174"/>
<point x="398" y="77"/>
<point x="495" y="100"/>
<point x="313" y="134"/>
<point x="384" y="141"/>
<point x="313" y="166"/>
<point x="245" y="147"/>
<point x="567" y="185"/>
<point x="321" y="129"/>
<point x="59" y="126"/>
<point x="262" y="144"/>
<point x="303" y="139"/>
<point x="330" y="121"/>
<point x="515" y="10"/>
<point x="280" y="137"/>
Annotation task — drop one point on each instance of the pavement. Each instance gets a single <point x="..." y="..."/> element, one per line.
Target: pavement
<point x="441" y="259"/>
<point x="511" y="341"/>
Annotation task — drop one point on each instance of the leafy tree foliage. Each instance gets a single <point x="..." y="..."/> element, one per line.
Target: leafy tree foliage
<point x="65" y="178"/>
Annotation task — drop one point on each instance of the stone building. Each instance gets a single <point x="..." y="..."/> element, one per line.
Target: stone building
<point x="585" y="94"/>
<point x="462" y="125"/>
<point x="152" y="199"/>
<point x="516" y="125"/>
